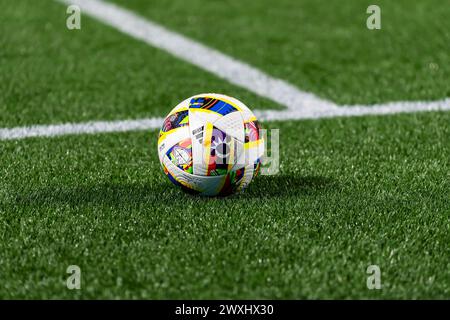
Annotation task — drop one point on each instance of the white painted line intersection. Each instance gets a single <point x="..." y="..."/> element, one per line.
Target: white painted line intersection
<point x="299" y="104"/>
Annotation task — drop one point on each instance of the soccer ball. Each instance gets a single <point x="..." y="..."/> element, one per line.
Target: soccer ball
<point x="210" y="144"/>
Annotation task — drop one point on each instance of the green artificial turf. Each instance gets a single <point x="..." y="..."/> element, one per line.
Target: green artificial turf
<point x="324" y="46"/>
<point x="350" y="194"/>
<point x="49" y="74"/>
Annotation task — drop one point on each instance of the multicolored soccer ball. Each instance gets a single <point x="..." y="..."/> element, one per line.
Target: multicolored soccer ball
<point x="211" y="144"/>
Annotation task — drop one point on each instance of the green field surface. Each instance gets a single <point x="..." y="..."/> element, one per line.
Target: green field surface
<point x="324" y="46"/>
<point x="351" y="192"/>
<point x="49" y="74"/>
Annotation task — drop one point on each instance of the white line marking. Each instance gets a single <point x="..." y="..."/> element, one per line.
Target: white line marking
<point x="356" y="110"/>
<point x="265" y="115"/>
<point x="301" y="105"/>
<point x="211" y="60"/>
<point x="79" y="128"/>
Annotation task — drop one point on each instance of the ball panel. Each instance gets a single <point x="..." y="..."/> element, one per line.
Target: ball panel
<point x="232" y="124"/>
<point x="205" y="185"/>
<point x="252" y="131"/>
<point x="175" y="120"/>
<point x="212" y="104"/>
<point x="253" y="150"/>
<point x="181" y="155"/>
<point x="169" y="139"/>
<point x="246" y="179"/>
